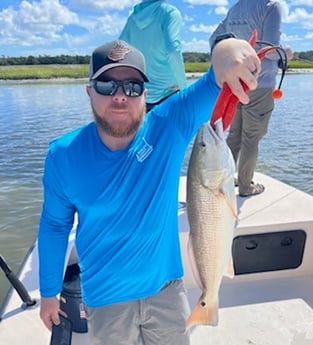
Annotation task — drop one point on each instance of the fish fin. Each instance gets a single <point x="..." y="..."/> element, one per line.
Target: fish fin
<point x="193" y="264"/>
<point x="203" y="315"/>
<point x="230" y="271"/>
<point x="231" y="206"/>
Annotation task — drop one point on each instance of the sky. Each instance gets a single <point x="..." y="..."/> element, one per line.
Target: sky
<point x="76" y="27"/>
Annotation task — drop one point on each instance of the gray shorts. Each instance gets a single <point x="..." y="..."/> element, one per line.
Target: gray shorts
<point x="157" y="320"/>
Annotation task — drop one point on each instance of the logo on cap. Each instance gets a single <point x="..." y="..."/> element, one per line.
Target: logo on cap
<point x="118" y="51"/>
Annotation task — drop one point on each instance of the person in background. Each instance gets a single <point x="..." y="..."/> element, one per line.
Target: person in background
<point x="120" y="174"/>
<point x="251" y="120"/>
<point x="154" y="28"/>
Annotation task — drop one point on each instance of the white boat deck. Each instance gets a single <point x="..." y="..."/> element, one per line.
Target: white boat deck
<point x="263" y="308"/>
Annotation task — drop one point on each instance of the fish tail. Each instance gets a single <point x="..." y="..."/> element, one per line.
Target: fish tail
<point x="203" y="314"/>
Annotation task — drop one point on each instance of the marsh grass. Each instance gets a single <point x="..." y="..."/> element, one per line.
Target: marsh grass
<point x="191" y="67"/>
<point x="43" y="72"/>
<point x="203" y="66"/>
<point x="300" y="64"/>
<point x="81" y="71"/>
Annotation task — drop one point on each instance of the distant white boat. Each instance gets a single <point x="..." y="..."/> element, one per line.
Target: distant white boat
<point x="268" y="302"/>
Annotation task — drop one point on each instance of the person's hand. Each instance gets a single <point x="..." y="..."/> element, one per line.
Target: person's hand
<point x="234" y="60"/>
<point x="49" y="311"/>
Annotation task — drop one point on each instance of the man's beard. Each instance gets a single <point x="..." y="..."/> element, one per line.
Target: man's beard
<point x="118" y="130"/>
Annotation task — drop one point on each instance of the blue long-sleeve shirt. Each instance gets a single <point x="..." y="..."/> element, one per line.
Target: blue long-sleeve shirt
<point x="127" y="235"/>
<point x="154" y="28"/>
<point x="264" y="16"/>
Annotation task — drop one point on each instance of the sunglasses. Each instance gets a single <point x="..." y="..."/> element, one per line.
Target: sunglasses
<point x="131" y="88"/>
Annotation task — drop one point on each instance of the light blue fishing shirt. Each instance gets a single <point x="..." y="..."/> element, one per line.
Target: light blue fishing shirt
<point x="264" y="16"/>
<point x="126" y="201"/>
<point x="154" y="28"/>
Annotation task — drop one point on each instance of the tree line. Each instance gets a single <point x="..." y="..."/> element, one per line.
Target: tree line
<point x="78" y="59"/>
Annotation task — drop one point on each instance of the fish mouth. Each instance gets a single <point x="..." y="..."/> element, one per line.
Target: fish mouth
<point x="210" y="135"/>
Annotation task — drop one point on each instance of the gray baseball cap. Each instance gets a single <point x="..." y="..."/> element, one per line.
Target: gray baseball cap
<point x="116" y="54"/>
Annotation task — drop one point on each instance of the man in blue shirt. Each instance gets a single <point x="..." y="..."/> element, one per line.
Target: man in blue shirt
<point x="154" y="28"/>
<point x="120" y="175"/>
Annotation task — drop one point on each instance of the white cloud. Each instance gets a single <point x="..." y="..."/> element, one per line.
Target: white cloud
<point x="285" y="10"/>
<point x="202" y="28"/>
<point x="187" y="18"/>
<point x="289" y="38"/>
<point x="103" y="4"/>
<point x="107" y="24"/>
<point x="34" y="23"/>
<point x="301" y="2"/>
<point x="221" y="10"/>
<point x="195" y="45"/>
<point x="208" y="2"/>
<point x="47" y="26"/>
<point x="309" y="35"/>
<point x="45" y="11"/>
<point x="302" y="17"/>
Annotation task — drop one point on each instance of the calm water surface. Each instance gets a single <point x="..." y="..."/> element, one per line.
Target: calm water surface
<point x="32" y="114"/>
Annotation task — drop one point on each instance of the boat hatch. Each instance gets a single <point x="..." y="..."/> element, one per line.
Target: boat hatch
<point x="265" y="252"/>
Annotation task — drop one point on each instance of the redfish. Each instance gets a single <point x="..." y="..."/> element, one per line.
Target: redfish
<point x="212" y="215"/>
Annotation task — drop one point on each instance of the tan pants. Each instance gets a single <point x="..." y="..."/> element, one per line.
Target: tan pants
<point x="247" y="129"/>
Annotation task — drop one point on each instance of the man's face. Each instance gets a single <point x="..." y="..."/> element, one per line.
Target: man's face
<point x="118" y="115"/>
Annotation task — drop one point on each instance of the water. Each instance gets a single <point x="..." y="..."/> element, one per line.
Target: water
<point x="32" y="114"/>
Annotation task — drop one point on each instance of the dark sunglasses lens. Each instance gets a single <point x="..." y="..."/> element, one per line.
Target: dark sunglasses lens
<point x="105" y="88"/>
<point x="133" y="88"/>
<point x="109" y="88"/>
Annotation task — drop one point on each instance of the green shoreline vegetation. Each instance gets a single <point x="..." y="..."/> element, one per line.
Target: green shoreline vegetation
<point x="77" y="71"/>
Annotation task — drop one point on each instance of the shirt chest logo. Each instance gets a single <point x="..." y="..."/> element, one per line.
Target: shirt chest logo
<point x="144" y="151"/>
